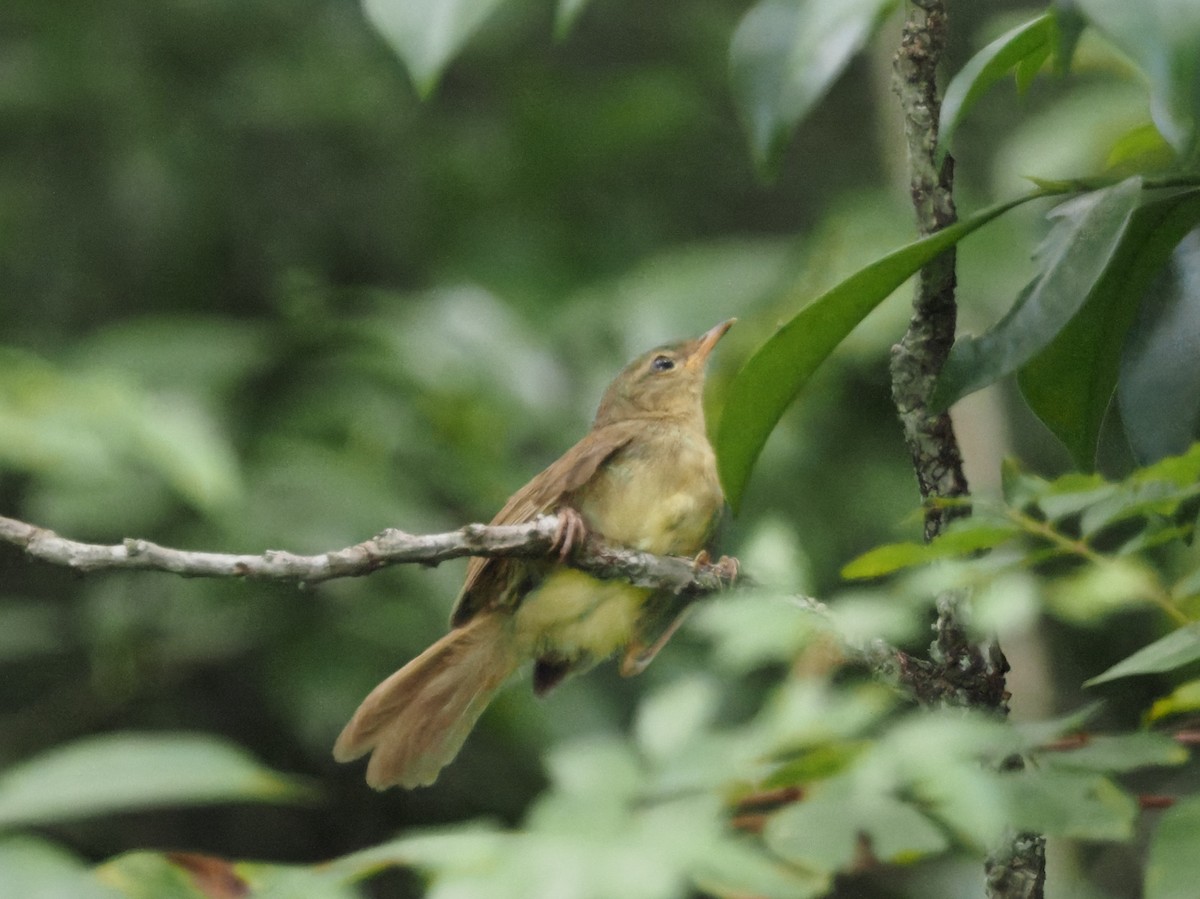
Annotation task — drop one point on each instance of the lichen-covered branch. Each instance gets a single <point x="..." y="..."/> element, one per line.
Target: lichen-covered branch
<point x="918" y="357"/>
<point x="960" y="672"/>
<point x="390" y="547"/>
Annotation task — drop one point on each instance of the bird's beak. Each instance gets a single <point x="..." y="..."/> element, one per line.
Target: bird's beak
<point x="705" y="344"/>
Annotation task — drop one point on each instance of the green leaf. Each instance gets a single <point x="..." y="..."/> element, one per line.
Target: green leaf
<point x="566" y="13"/>
<point x="150" y="875"/>
<point x="1162" y="37"/>
<point x="786" y="54"/>
<point x="771" y="378"/>
<point x="117" y="772"/>
<point x="1070" y="383"/>
<point x="1141" y="148"/>
<point x="1076" y="804"/>
<point x="1173" y="865"/>
<point x="1087" y="232"/>
<point x="1158" y="390"/>
<point x="1096" y="591"/>
<point x="740" y="868"/>
<point x="1176" y="649"/>
<point x="755" y="628"/>
<point x="1183" y="700"/>
<point x="35" y="869"/>
<point x="427" y="34"/>
<point x="94" y="427"/>
<point x="963" y="538"/>
<point x="469" y="846"/>
<point x="1032" y="40"/>
<point x="672" y="717"/>
<point x="824" y="829"/>
<point x="1119" y="753"/>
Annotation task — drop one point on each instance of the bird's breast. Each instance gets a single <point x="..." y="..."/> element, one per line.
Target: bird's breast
<point x="660" y="495"/>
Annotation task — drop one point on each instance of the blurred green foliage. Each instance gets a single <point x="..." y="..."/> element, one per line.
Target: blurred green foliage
<point x="257" y="294"/>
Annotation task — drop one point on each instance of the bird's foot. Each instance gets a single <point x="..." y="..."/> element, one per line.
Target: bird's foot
<point x="727" y="566"/>
<point x="572" y="530"/>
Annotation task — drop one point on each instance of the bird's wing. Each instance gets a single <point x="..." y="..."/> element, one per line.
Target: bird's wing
<point x="488" y="580"/>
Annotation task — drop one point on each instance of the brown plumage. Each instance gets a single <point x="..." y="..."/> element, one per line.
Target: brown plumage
<point x="645" y="477"/>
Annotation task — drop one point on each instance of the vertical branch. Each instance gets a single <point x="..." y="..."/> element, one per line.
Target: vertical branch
<point x="918" y="358"/>
<point x="960" y="672"/>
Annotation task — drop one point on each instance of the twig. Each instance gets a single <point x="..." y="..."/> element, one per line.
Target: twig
<point x="390" y="547"/>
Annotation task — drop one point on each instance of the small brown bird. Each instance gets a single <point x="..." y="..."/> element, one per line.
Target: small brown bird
<point x="644" y="477"/>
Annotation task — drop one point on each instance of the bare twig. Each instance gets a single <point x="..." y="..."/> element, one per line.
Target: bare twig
<point x="390" y="547"/>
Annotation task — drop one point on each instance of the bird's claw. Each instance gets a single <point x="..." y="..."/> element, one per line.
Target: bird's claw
<point x="571" y="532"/>
<point x="727" y="567"/>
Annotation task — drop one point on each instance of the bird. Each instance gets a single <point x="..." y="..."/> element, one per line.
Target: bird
<point x="643" y="477"/>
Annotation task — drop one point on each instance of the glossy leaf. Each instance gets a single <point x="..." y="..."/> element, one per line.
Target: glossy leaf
<point x="1070" y="383"/>
<point x="117" y="772"/>
<point x="775" y="374"/>
<point x="1162" y="37"/>
<point x="1159" y="386"/>
<point x="1173" y="865"/>
<point x="1176" y="649"/>
<point x="427" y="34"/>
<point x="1087" y="232"/>
<point x="786" y="54"/>
<point x="1029" y="42"/>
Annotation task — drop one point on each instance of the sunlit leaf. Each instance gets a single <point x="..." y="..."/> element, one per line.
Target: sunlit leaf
<point x="1183" y="700"/>
<point x="1162" y="37"/>
<point x="1087" y="232"/>
<point x="1070" y="383"/>
<point x="786" y="54"/>
<point x="1143" y="148"/>
<point x="118" y="772"/>
<point x="1178" y="648"/>
<point x="427" y="34"/>
<point x="772" y="377"/>
<point x="1032" y="40"/>
<point x="1173" y="865"/>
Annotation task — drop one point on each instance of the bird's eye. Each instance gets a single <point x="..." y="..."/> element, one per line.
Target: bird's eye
<point x="662" y="363"/>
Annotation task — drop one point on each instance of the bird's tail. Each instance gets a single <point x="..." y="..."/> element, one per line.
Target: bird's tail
<point x="415" y="722"/>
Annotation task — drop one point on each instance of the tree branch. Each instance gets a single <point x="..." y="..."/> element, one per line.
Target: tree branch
<point x="389" y="547"/>
<point x="960" y="672"/>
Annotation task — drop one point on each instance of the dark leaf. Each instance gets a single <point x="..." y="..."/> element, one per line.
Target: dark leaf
<point x="1070" y="383"/>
